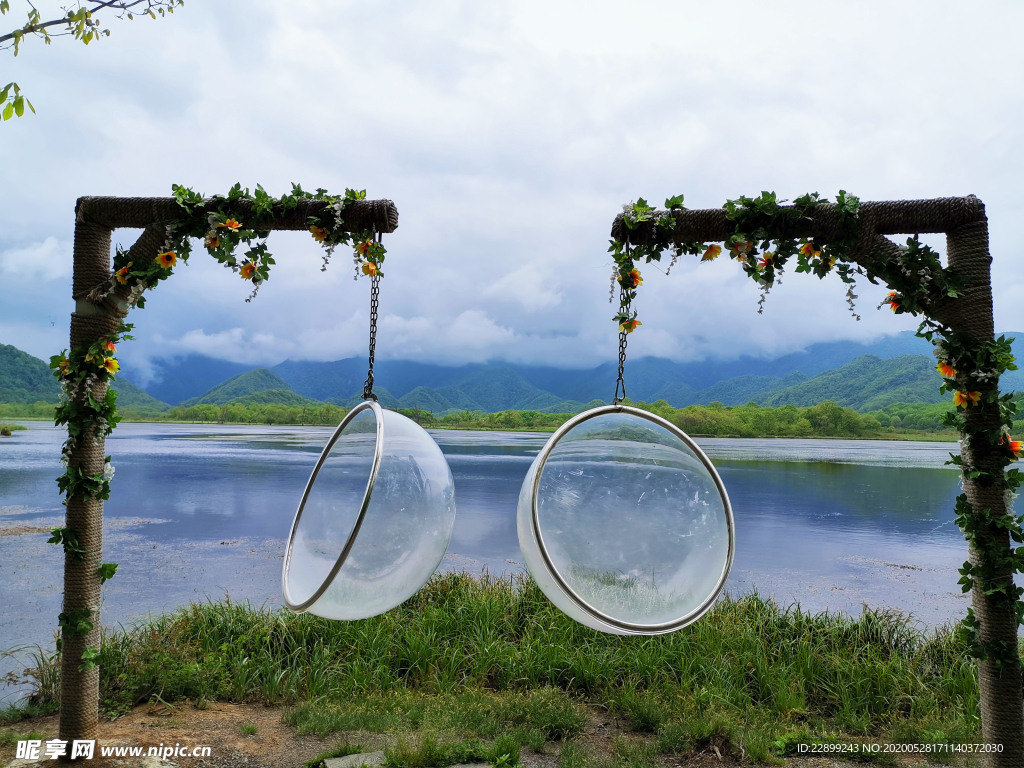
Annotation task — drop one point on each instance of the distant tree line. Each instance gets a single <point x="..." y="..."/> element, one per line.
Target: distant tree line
<point x="827" y="419"/>
<point x="323" y="414"/>
<point x="823" y="420"/>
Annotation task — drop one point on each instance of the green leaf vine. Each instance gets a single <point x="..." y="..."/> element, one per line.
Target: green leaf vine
<point x="219" y="223"/>
<point x="68" y="539"/>
<point x="765" y="238"/>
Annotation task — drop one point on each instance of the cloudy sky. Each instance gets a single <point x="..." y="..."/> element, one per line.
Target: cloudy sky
<point x="508" y="134"/>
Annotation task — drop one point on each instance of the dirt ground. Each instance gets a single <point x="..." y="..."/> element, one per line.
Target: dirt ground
<point x="275" y="744"/>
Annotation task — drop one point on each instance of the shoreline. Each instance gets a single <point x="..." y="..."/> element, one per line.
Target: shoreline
<point x="910" y="437"/>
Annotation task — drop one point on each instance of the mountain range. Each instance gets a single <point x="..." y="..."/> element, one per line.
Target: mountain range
<point x="866" y="377"/>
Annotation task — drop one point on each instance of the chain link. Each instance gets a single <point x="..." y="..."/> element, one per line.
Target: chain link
<point x="374" y="303"/>
<point x="625" y="305"/>
<point x="619" y="382"/>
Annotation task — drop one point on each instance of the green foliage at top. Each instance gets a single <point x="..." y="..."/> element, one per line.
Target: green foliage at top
<point x="79" y="22"/>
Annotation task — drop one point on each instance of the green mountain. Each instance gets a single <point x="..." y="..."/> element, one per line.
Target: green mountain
<point x="385" y="398"/>
<point x="25" y="379"/>
<point x="868" y="384"/>
<point x="744" y="389"/>
<point x="273" y="397"/>
<point x="130" y="396"/>
<point x="248" y="383"/>
<point x="438" y="401"/>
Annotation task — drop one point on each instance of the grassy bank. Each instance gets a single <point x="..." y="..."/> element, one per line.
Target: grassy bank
<point x="468" y="658"/>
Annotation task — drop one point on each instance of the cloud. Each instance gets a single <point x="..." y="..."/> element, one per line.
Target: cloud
<point x="532" y="286"/>
<point x="47" y="260"/>
<point x="235" y="344"/>
<point x="509" y="134"/>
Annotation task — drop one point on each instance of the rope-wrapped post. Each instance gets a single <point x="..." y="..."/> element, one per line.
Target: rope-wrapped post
<point x="98" y="313"/>
<point x="1000" y="694"/>
<point x="963" y="221"/>
<point x="79" y="689"/>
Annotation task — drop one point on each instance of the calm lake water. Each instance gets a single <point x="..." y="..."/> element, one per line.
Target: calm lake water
<point x="202" y="511"/>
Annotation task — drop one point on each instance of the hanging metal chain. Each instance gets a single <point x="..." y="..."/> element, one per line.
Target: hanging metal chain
<point x="374" y="303"/>
<point x="620" y="384"/>
<point x="624" y="305"/>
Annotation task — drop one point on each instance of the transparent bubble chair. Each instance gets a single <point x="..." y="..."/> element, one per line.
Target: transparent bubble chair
<point x="374" y="521"/>
<point x="625" y="524"/>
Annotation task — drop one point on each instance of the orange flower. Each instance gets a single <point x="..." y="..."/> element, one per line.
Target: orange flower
<point x="767" y="260"/>
<point x="711" y="253"/>
<point x="109" y="346"/>
<point x="810" y="250"/>
<point x="364" y="247"/>
<point x="962" y="399"/>
<point x="63" y="365"/>
<point x="634" y="275"/>
<point x="629" y="326"/>
<point x="211" y="240"/>
<point x="320" y="233"/>
<point x="369" y="268"/>
<point x="167" y="259"/>
<point x="248" y="270"/>
<point x="111" y="365"/>
<point x="893" y="300"/>
<point x="741" y="249"/>
<point x="1016" y="446"/>
<point x="947" y="370"/>
<point x="233" y="224"/>
<point x="122" y="274"/>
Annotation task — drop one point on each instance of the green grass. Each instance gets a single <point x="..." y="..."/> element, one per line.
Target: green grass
<point x="248" y="729"/>
<point x="434" y="752"/>
<point x="490" y="659"/>
<point x="11" y="738"/>
<point x="342" y="750"/>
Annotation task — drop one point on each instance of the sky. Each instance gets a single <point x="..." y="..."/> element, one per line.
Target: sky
<point x="509" y="134"/>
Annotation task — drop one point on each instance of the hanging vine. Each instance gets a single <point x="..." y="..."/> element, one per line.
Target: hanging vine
<point x="765" y="238"/>
<point x="221" y="224"/>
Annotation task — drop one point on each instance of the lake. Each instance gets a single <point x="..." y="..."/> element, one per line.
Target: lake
<point x="202" y="512"/>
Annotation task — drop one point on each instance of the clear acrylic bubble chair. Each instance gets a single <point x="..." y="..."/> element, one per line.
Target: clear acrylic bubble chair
<point x="374" y="521"/>
<point x="625" y="524"/>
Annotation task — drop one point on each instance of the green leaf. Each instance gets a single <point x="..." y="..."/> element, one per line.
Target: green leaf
<point x="8" y="112"/>
<point x="87" y="659"/>
<point x="106" y="571"/>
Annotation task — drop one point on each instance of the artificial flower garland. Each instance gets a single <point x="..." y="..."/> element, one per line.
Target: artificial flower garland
<point x="919" y="282"/>
<point x="218" y="223"/>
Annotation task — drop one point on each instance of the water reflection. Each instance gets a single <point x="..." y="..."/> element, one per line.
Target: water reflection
<point x="204" y="510"/>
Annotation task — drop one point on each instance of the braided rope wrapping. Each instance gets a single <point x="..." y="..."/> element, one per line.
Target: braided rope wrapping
<point x="79" y="701"/>
<point x="964" y="222"/>
<point x="101" y="305"/>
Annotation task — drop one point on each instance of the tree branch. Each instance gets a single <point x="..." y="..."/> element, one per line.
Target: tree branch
<point x="122" y="6"/>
